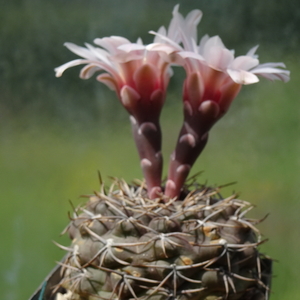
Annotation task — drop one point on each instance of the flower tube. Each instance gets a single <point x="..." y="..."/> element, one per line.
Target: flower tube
<point x="139" y="77"/>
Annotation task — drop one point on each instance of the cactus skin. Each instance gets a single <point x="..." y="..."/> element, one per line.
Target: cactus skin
<point x="126" y="246"/>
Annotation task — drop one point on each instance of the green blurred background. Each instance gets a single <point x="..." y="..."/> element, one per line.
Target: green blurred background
<point x="56" y="133"/>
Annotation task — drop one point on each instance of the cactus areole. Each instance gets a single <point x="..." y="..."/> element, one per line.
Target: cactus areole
<point x="176" y="240"/>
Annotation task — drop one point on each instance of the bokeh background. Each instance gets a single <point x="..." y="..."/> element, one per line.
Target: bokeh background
<point x="56" y="133"/>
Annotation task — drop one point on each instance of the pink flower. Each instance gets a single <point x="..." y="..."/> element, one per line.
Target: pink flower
<point x="214" y="77"/>
<point x="218" y="76"/>
<point x="140" y="77"/>
<point x="213" y="73"/>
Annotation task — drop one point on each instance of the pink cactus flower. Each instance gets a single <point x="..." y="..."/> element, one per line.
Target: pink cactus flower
<point x="214" y="78"/>
<point x="217" y="76"/>
<point x="213" y="73"/>
<point x="140" y="77"/>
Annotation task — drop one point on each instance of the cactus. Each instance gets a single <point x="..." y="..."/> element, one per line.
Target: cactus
<point x="150" y="241"/>
<point x="127" y="246"/>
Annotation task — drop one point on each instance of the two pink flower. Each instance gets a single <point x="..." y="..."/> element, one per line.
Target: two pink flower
<point x="139" y="74"/>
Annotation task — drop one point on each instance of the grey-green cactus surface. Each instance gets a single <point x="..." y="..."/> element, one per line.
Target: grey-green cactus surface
<point x="126" y="246"/>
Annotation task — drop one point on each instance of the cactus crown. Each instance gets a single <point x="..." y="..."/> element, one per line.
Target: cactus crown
<point x="127" y="246"/>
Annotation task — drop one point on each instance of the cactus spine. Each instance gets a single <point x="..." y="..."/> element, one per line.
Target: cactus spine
<point x="126" y="246"/>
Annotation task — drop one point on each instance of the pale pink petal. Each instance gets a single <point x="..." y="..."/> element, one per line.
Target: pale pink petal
<point x="172" y="32"/>
<point x="139" y="41"/>
<point x="154" y="58"/>
<point x="215" y="53"/>
<point x="192" y="20"/>
<point x="214" y="41"/>
<point x="162" y="32"/>
<point x="123" y="57"/>
<point x="94" y="60"/>
<point x="80" y="51"/>
<point x="202" y="43"/>
<point x="244" y="62"/>
<point x="242" y="77"/>
<point x="60" y="70"/>
<point x="186" y="27"/>
<point x="275" y="75"/>
<point x="99" y="53"/>
<point x="166" y="39"/>
<point x="189" y="54"/>
<point x="252" y="51"/>
<point x="88" y="71"/>
<point x="260" y="69"/>
<point x="112" y="43"/>
<point x="272" y="71"/>
<point x="129" y="96"/>
<point x="175" y="11"/>
<point x="177" y="19"/>
<point x="187" y="42"/>
<point x="109" y="81"/>
<point x="272" y="65"/>
<point x="218" y="58"/>
<point x="191" y="61"/>
<point x="124" y="71"/>
<point x="161" y="47"/>
<point x="194" y="46"/>
<point x="108" y="68"/>
<point x="131" y="47"/>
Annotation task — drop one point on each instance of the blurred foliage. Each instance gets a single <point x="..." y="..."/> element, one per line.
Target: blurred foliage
<point x="33" y="32"/>
<point x="56" y="133"/>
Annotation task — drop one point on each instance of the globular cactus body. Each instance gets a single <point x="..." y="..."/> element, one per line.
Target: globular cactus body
<point x="127" y="246"/>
